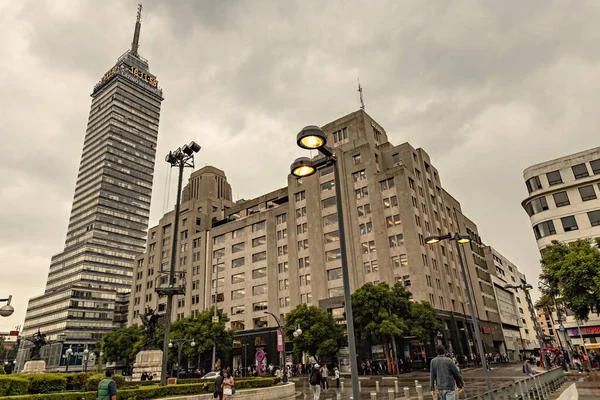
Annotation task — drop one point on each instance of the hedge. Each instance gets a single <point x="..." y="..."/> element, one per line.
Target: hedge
<point x="92" y="381"/>
<point x="47" y="383"/>
<point x="13" y="386"/>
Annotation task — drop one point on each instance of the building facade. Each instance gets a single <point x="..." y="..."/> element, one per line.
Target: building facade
<point x="281" y="249"/>
<point x="91" y="278"/>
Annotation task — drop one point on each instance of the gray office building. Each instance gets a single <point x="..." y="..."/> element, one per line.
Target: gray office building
<point x="91" y="278"/>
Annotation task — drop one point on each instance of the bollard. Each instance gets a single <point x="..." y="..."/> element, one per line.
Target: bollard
<point x="396" y="386"/>
<point x="373" y="396"/>
<point x="420" y="392"/>
<point x="390" y="394"/>
<point x="359" y="386"/>
<point x="416" y="383"/>
<point x="407" y="393"/>
<point x="342" y="385"/>
<point x="377" y="386"/>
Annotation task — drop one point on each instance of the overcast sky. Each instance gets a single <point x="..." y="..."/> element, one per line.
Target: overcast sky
<point x="486" y="88"/>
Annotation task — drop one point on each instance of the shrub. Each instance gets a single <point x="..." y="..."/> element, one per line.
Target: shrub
<point x="77" y="381"/>
<point x="137" y="384"/>
<point x="47" y="383"/>
<point x="13" y="386"/>
<point x="156" y="392"/>
<point x="56" y="396"/>
<point x="2" y="372"/>
<point x="92" y="381"/>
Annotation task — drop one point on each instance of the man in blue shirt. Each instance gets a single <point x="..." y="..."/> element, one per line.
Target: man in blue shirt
<point x="444" y="377"/>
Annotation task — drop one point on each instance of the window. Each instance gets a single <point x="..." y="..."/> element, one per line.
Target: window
<point x="387" y="184"/>
<point x="396" y="158"/>
<point x="326" y="170"/>
<point x="259" y="226"/>
<point x="537" y="205"/>
<point x="333" y="255"/>
<point x="238" y="325"/>
<point x="544" y="229"/>
<point x="594" y="217"/>
<point x="235" y="310"/>
<point x="282" y="267"/>
<point x="332" y="237"/>
<point x="580" y="171"/>
<point x="167" y="229"/>
<point x="392" y="220"/>
<point x="237" y="233"/>
<point x="238" y="247"/>
<point x="587" y="193"/>
<point x="300" y="212"/>
<point x="282" y="250"/>
<point x="281" y="219"/>
<point x="334" y="274"/>
<point x="238" y="262"/>
<point x="282" y="234"/>
<point x="533" y="184"/>
<point x="361" y="193"/>
<point x="303" y="262"/>
<point x="561" y="199"/>
<point x="327" y="186"/>
<point x="340" y="135"/>
<point x="283" y="284"/>
<point x="220" y="282"/>
<point x="259" y="273"/>
<point x="152" y="247"/>
<point x="259" y="290"/>
<point x="569" y="223"/>
<point x="336" y="292"/>
<point x="303" y="244"/>
<point x="238" y="278"/>
<point x="356" y="159"/>
<point x="363" y="229"/>
<point x="301" y="228"/>
<point x="259" y="241"/>
<point x="238" y="294"/>
<point x="300" y="196"/>
<point x="395" y="261"/>
<point x="219" y="239"/>
<point x="329" y="202"/>
<point x="390" y="202"/>
<point x="360" y="175"/>
<point x="396" y="240"/>
<point x="305" y="280"/>
<point x="371" y="266"/>
<point x="364" y="210"/>
<point x="595" y="166"/>
<point x="284" y="302"/>
<point x="554" y="178"/>
<point x="256" y="257"/>
<point x="428" y="280"/>
<point x="403" y="260"/>
<point x="259" y="306"/>
<point x="306" y="298"/>
<point x="330" y="219"/>
<point x="166" y="241"/>
<point x="165" y="253"/>
<point x="368" y="247"/>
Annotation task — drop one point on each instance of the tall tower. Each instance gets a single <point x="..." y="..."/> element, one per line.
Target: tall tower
<point x="89" y="281"/>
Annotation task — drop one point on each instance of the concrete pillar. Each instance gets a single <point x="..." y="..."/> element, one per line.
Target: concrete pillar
<point x="359" y="386"/>
<point x="342" y="385"/>
<point x="396" y="386"/>
<point x="407" y="393"/>
<point x="377" y="386"/>
<point x="420" y="392"/>
<point x="390" y="394"/>
<point x="373" y="396"/>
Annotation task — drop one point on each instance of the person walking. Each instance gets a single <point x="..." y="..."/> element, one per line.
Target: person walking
<point x="227" y="385"/>
<point x="315" y="382"/>
<point x="336" y="373"/>
<point x="527" y="368"/>
<point x="107" y="387"/>
<point x="324" y="376"/>
<point x="444" y="377"/>
<point x="219" y="386"/>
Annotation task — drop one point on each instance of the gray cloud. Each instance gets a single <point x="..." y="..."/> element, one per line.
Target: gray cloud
<point x="486" y="88"/>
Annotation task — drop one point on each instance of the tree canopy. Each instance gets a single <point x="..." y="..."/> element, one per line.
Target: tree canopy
<point x="572" y="272"/>
<point x="321" y="335"/>
<point x="423" y="320"/>
<point x="121" y="344"/>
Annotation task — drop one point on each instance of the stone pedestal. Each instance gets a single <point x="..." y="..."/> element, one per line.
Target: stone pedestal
<point x="34" y="367"/>
<point x="149" y="361"/>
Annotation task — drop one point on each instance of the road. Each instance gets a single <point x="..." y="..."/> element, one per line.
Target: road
<point x="474" y="383"/>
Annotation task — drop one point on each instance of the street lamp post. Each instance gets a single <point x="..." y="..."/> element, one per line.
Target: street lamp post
<point x="6" y="310"/>
<point x="86" y="354"/>
<point x="180" y="343"/>
<point x="215" y="318"/>
<point x="280" y="332"/>
<point x="68" y="354"/>
<point x="313" y="138"/>
<point x="181" y="158"/>
<point x="462" y="238"/>
<point x="542" y="286"/>
<point x="522" y="287"/>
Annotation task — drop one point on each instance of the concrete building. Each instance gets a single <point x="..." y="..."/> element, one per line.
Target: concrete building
<point x="519" y="321"/>
<point x="89" y="280"/>
<point x="281" y="249"/>
<point x="563" y="205"/>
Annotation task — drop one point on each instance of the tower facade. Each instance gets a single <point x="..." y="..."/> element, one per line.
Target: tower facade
<point x="89" y="279"/>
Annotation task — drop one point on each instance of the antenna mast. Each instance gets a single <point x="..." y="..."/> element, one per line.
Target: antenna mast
<point x="136" y="34"/>
<point x="360" y="92"/>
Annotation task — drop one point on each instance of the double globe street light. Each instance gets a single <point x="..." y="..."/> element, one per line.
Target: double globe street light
<point x="313" y="138"/>
<point x="180" y="343"/>
<point x="459" y="238"/>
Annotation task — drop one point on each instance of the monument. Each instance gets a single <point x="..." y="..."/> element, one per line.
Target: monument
<point x="35" y="365"/>
<point x="148" y="360"/>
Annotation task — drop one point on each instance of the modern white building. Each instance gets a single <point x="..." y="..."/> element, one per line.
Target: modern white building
<point x="563" y="201"/>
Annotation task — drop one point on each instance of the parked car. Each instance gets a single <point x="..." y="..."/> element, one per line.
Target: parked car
<point x="211" y="375"/>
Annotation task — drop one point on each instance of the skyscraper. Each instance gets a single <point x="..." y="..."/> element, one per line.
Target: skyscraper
<point x="89" y="280"/>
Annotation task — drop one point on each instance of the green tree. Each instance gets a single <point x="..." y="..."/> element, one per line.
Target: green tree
<point x="381" y="314"/>
<point x="572" y="271"/>
<point x="121" y="344"/>
<point x="424" y="322"/>
<point x="321" y="335"/>
<point x="204" y="332"/>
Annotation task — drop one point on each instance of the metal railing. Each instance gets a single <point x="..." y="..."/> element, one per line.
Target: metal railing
<point x="537" y="387"/>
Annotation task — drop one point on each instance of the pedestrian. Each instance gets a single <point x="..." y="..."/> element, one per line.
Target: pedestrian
<point x="315" y="382"/>
<point x="444" y="377"/>
<point x="324" y="376"/>
<point x="336" y="373"/>
<point x="144" y="376"/>
<point x="228" y="385"/>
<point x="527" y="368"/>
<point x="107" y="387"/>
<point x="219" y="386"/>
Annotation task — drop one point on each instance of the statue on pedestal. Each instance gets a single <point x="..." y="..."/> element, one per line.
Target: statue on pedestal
<point x="150" y="321"/>
<point x="39" y="341"/>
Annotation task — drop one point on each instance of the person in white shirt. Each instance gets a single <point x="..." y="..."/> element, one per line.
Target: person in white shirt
<point x="336" y="373"/>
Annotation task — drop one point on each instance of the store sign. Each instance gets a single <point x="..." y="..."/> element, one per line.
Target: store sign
<point x="279" y="340"/>
<point x="487" y="330"/>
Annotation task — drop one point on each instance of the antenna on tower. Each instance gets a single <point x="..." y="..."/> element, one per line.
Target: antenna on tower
<point x="362" y="102"/>
<point x="136" y="34"/>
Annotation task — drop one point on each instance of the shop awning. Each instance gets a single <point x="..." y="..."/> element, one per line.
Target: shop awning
<point x="592" y="345"/>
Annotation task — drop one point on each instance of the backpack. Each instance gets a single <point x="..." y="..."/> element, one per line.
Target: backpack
<point x="313" y="379"/>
